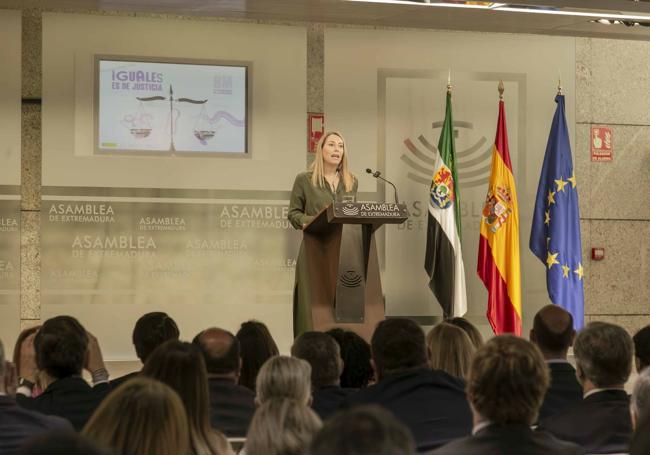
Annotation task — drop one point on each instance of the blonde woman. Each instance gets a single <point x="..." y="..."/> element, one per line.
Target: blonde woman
<point x="450" y="349"/>
<point x="284" y="377"/>
<point x="143" y="416"/>
<point x="327" y="180"/>
<point x="281" y="426"/>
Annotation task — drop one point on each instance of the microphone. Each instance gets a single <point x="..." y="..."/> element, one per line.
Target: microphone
<point x="377" y="175"/>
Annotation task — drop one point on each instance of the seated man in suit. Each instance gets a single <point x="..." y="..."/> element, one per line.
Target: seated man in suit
<point x="642" y="348"/>
<point x="431" y="403"/>
<point x="61" y="349"/>
<point x="150" y="331"/>
<point x="323" y="353"/>
<point x="506" y="385"/>
<point x="601" y="422"/>
<point x="640" y="400"/>
<point x="232" y="405"/>
<point x="366" y="430"/>
<point x="553" y="334"/>
<point x="17" y="424"/>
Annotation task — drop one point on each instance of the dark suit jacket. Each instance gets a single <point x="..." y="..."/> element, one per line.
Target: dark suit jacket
<point x="232" y="407"/>
<point x="430" y="403"/>
<point x="18" y="424"/>
<point x="115" y="383"/>
<point x="71" y="398"/>
<point x="508" y="439"/>
<point x="564" y="391"/>
<point x="328" y="400"/>
<point x="600" y="423"/>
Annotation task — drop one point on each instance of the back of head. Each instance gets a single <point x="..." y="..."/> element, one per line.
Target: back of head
<point x="642" y="347"/>
<point x="61" y="346"/>
<point x="553" y="331"/>
<point x="366" y="430"/>
<point x="257" y="346"/>
<point x="281" y="426"/>
<point x="603" y="353"/>
<point x="355" y="353"/>
<point x="152" y="330"/>
<point x="141" y="416"/>
<point x="450" y="349"/>
<point x="640" y="402"/>
<point x="323" y="354"/>
<point x="220" y="351"/>
<point x="507" y="381"/>
<point x="469" y="328"/>
<point x="19" y="342"/>
<point x="64" y="443"/>
<point x="284" y="377"/>
<point x="397" y="345"/>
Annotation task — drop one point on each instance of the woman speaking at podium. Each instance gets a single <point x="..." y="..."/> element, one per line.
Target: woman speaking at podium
<point x="327" y="180"/>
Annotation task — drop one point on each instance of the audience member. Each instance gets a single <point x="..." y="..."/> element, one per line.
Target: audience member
<point x="284" y="377"/>
<point x="601" y="422"/>
<point x="324" y="356"/>
<point x="232" y="405"/>
<point x="143" y="416"/>
<point x="640" y="444"/>
<point x="150" y="331"/>
<point x="450" y="349"/>
<point x="63" y="443"/>
<point x="553" y="334"/>
<point x="17" y="424"/>
<point x="36" y="390"/>
<point x="469" y="328"/>
<point x="61" y="349"/>
<point x="431" y="403"/>
<point x="181" y="366"/>
<point x="366" y="430"/>
<point x="355" y="352"/>
<point x="640" y="400"/>
<point x="257" y="346"/>
<point x="281" y="426"/>
<point x="642" y="348"/>
<point x="506" y="385"/>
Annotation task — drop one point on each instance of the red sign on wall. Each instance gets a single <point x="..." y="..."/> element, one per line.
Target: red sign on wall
<point x="315" y="129"/>
<point x="601" y="143"/>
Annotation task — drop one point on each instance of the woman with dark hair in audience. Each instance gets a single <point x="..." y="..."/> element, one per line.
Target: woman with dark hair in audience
<point x="143" y="416"/>
<point x="281" y="426"/>
<point x="450" y="349"/>
<point x="355" y="352"/>
<point x="470" y="329"/>
<point x="257" y="346"/>
<point x="181" y="366"/>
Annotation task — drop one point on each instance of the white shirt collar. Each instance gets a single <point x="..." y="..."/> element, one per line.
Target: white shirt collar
<point x="591" y="392"/>
<point x="481" y="425"/>
<point x="557" y="361"/>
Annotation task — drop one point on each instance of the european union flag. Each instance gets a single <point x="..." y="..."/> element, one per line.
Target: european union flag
<point x="555" y="234"/>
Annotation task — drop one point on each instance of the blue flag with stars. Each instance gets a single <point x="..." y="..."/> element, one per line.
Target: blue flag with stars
<point x="555" y="233"/>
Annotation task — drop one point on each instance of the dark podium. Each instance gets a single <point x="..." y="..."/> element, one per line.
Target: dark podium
<point x="344" y="282"/>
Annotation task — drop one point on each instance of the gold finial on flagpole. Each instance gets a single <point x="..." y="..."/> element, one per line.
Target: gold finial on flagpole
<point x="501" y="89"/>
<point x="559" y="82"/>
<point x="449" y="81"/>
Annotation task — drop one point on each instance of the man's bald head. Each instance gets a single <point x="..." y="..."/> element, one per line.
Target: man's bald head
<point x="553" y="331"/>
<point x="220" y="350"/>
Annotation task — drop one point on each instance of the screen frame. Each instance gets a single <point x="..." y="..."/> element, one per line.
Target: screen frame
<point x="248" y="67"/>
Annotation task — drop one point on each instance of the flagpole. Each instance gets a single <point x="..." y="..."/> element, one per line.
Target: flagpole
<point x="502" y="88"/>
<point x="449" y="81"/>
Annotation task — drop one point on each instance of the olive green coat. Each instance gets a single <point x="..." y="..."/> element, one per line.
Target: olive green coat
<point x="306" y="201"/>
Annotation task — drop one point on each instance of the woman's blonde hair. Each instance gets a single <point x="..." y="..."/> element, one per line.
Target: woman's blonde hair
<point x="281" y="426"/>
<point x="141" y="416"/>
<point x="316" y="167"/>
<point x="450" y="349"/>
<point x="284" y="377"/>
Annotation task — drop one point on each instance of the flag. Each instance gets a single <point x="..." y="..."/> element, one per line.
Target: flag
<point x="498" y="252"/>
<point x="555" y="233"/>
<point x="444" y="257"/>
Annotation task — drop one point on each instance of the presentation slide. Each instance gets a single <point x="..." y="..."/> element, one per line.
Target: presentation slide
<point x="176" y="108"/>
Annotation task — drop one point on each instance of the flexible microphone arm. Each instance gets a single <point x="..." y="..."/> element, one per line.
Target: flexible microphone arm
<point x="377" y="175"/>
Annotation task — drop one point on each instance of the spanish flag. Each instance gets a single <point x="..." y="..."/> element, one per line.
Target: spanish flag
<point x="498" y="251"/>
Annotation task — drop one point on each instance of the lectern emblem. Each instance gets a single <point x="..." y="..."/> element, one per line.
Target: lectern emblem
<point x="442" y="188"/>
<point x="350" y="279"/>
<point x="350" y="209"/>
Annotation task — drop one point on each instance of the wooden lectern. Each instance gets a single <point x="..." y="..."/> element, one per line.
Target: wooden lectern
<point x="344" y="282"/>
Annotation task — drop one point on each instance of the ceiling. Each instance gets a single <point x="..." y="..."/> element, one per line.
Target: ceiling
<point x="372" y="14"/>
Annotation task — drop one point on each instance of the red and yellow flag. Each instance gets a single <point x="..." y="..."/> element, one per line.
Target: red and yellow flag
<point x="498" y="251"/>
